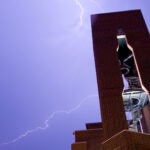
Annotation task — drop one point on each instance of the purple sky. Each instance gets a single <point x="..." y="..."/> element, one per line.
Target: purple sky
<point x="48" y="83"/>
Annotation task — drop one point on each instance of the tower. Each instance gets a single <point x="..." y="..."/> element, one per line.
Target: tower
<point x="121" y="44"/>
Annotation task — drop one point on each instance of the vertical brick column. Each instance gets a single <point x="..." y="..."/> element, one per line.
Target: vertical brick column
<point x="108" y="75"/>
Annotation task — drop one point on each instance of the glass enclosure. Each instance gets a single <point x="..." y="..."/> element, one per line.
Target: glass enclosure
<point x="134" y="97"/>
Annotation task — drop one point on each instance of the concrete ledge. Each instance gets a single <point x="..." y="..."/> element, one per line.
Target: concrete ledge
<point x="84" y="135"/>
<point x="128" y="140"/>
<point x="93" y="138"/>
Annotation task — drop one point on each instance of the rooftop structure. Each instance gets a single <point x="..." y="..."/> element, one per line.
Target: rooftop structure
<point x="121" y="44"/>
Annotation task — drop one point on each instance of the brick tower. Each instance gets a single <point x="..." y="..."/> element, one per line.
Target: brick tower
<point x="121" y="44"/>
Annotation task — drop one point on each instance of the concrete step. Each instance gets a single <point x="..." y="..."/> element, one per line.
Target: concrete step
<point x="96" y="125"/>
<point x="92" y="137"/>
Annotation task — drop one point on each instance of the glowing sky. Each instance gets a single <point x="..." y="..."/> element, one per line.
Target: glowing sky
<point x="47" y="75"/>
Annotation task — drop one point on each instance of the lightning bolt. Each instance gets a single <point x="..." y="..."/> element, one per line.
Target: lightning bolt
<point x="82" y="11"/>
<point x="80" y="23"/>
<point x="50" y="117"/>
